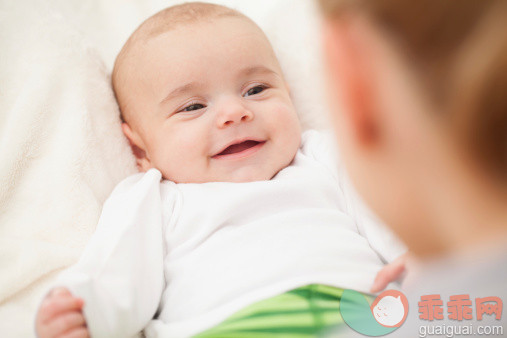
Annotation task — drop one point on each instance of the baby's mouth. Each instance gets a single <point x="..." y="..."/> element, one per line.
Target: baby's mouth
<point x="239" y="148"/>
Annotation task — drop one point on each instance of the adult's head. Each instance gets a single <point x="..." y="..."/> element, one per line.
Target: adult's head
<point x="418" y="92"/>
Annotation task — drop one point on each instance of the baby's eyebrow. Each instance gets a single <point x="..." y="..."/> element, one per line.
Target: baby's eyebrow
<point x="181" y="90"/>
<point x="256" y="70"/>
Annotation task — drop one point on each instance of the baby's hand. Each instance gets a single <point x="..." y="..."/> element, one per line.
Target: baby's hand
<point x="61" y="315"/>
<point x="390" y="273"/>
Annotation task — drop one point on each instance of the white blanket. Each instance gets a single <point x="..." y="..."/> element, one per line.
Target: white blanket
<point x="61" y="146"/>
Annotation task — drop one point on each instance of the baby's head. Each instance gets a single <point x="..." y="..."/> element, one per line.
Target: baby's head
<point x="203" y="98"/>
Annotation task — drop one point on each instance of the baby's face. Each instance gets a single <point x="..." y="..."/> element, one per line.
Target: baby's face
<point x="209" y="103"/>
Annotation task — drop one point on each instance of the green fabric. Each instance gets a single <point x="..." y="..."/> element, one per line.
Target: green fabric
<point x="308" y="311"/>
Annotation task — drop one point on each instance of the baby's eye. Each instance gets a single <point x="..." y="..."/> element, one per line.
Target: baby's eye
<point x="194" y="106"/>
<point x="255" y="90"/>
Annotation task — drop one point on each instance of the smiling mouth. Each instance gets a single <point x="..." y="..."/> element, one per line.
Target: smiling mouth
<point x="240" y="149"/>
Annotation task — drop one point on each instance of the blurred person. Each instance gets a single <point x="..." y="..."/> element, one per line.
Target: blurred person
<point x="418" y="96"/>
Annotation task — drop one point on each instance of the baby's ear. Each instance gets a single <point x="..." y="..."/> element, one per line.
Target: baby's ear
<point x="137" y="146"/>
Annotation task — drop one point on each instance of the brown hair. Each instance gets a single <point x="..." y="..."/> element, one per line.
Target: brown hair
<point x="459" y="51"/>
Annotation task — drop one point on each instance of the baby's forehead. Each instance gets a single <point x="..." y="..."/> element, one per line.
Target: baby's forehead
<point x="203" y="27"/>
<point x="178" y="43"/>
<point x="189" y="34"/>
<point x="162" y="26"/>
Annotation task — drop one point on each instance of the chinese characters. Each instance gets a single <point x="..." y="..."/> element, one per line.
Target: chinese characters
<point x="459" y="307"/>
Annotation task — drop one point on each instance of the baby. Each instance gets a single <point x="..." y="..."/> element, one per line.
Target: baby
<point x="233" y="205"/>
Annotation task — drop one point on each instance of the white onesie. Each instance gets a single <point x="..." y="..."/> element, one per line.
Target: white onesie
<point x="193" y="254"/>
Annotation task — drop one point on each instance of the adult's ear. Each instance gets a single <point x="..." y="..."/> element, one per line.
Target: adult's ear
<point x="138" y="149"/>
<point x="349" y="79"/>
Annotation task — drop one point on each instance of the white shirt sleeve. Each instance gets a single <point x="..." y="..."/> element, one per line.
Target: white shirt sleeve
<point x="321" y="145"/>
<point x="120" y="274"/>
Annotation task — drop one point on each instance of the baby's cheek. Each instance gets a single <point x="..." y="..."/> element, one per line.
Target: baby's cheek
<point x="288" y="122"/>
<point x="284" y="112"/>
<point x="283" y="121"/>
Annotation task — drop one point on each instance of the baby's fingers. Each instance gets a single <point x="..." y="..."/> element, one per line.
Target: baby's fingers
<point x="66" y="323"/>
<point x="60" y="292"/>
<point x="81" y="332"/>
<point x="52" y="307"/>
<point x="388" y="274"/>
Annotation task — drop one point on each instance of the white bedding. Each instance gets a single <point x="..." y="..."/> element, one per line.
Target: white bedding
<point x="61" y="145"/>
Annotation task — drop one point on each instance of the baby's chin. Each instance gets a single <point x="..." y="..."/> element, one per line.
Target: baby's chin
<point x="254" y="177"/>
<point x="240" y="175"/>
<point x="255" y="173"/>
<point x="244" y="176"/>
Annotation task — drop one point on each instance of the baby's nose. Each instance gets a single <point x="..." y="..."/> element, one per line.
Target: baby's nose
<point x="233" y="113"/>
